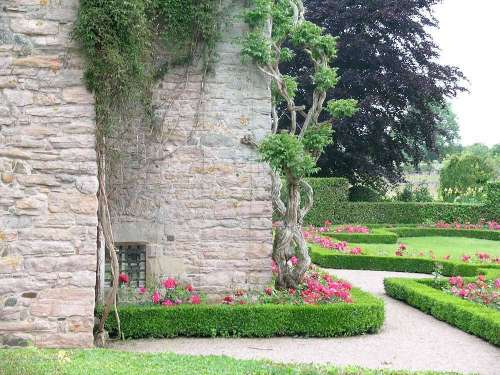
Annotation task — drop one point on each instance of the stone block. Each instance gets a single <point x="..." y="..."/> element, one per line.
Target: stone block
<point x="34" y="27"/>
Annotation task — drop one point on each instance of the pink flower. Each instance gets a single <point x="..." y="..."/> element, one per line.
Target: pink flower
<point x="239" y="293"/>
<point x="170" y="283"/>
<point x="195" y="299"/>
<point x="497" y="283"/>
<point x="465" y="258"/>
<point x="142" y="290"/>
<point x="268" y="291"/>
<point x="463" y="292"/>
<point x="123" y="278"/>
<point x="402" y="246"/>
<point x="483" y="256"/>
<point x="356" y="251"/>
<point x="189" y="288"/>
<point x="456" y="280"/>
<point x="294" y="260"/>
<point x="399" y="253"/>
<point x="327" y="223"/>
<point x="274" y="267"/>
<point x="156" y="297"/>
<point x="481" y="278"/>
<point x="446" y="257"/>
<point x="292" y="291"/>
<point x="167" y="303"/>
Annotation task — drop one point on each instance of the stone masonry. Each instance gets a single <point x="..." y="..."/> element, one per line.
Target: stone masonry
<point x="48" y="179"/>
<point x="189" y="189"/>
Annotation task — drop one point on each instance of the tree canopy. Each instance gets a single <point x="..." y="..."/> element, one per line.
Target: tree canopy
<point x="387" y="61"/>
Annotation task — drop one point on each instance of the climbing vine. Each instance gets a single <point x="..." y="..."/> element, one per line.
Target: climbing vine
<point x="129" y="45"/>
<point x="296" y="142"/>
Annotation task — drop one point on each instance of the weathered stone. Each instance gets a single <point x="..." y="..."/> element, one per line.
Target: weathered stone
<point x="51" y="62"/>
<point x="15" y="341"/>
<point x="34" y="27"/>
<point x="11" y="301"/>
<point x="7" y="178"/>
<point x="29" y="295"/>
<point x="77" y="94"/>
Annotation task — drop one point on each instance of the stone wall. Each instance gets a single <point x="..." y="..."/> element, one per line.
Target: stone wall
<point x="48" y="179"/>
<point x="188" y="188"/>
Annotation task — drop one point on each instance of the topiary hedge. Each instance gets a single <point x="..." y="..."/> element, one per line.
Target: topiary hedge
<point x="444" y="232"/>
<point x="332" y="259"/>
<point x="375" y="236"/>
<point x="468" y="316"/>
<point x="365" y="315"/>
<point x="399" y="213"/>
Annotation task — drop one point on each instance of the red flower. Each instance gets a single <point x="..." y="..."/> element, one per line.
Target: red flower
<point x="189" y="288"/>
<point x="239" y="293"/>
<point x="170" y="283"/>
<point x="228" y="299"/>
<point x="481" y="278"/>
<point x="123" y="278"/>
<point x="465" y="258"/>
<point x="274" y="267"/>
<point x="142" y="290"/>
<point x="268" y="291"/>
<point x="195" y="299"/>
<point x="292" y="291"/>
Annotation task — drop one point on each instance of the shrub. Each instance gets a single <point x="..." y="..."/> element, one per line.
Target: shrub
<point x="493" y="195"/>
<point x="401" y="213"/>
<point x="478" y="320"/>
<point x="366" y="315"/>
<point x="444" y="232"/>
<point x="332" y="259"/>
<point x="359" y="193"/>
<point x="375" y="236"/>
<point x="414" y="194"/>
<point x="465" y="177"/>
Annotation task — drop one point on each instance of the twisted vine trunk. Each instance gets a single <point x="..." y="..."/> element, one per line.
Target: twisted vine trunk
<point x="289" y="240"/>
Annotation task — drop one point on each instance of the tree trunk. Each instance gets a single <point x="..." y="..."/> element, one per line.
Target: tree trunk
<point x="289" y="239"/>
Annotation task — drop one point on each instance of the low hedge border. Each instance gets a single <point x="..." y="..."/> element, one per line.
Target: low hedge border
<point x="330" y="259"/>
<point x="375" y="236"/>
<point x="472" y="318"/>
<point x="444" y="232"/>
<point x="366" y="315"/>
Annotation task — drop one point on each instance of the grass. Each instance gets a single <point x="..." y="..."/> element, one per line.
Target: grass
<point x="102" y="361"/>
<point x="440" y="246"/>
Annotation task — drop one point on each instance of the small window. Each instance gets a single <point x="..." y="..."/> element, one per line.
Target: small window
<point x="132" y="261"/>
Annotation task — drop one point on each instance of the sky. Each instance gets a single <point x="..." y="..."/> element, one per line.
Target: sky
<point x="469" y="37"/>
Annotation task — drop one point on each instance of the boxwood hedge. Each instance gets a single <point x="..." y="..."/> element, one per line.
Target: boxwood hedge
<point x="375" y="236"/>
<point x="332" y="259"/>
<point x="468" y="316"/>
<point x="365" y="315"/>
<point x="399" y="213"/>
<point x="444" y="232"/>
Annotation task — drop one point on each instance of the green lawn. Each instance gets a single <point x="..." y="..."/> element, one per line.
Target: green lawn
<point x="441" y="246"/>
<point x="104" y="362"/>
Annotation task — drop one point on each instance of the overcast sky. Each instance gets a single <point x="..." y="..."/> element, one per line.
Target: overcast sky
<point x="469" y="37"/>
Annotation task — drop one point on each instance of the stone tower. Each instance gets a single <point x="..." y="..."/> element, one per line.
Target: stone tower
<point x="193" y="197"/>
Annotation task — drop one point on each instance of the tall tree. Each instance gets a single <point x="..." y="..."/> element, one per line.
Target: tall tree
<point x="388" y="61"/>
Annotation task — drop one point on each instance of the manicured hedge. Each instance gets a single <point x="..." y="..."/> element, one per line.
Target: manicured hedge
<point x="375" y="236"/>
<point x="399" y="213"/>
<point x="327" y="192"/>
<point x="468" y="316"/>
<point x="332" y="259"/>
<point x="443" y="232"/>
<point x="366" y="315"/>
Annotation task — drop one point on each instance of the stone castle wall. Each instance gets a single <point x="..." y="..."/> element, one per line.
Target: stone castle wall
<point x="47" y="179"/>
<point x="188" y="189"/>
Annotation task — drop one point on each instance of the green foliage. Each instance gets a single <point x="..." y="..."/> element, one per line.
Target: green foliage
<point x="465" y="177"/>
<point x="332" y="259"/>
<point x="285" y="152"/>
<point x="493" y="195"/>
<point x="316" y="138"/>
<point x="327" y="192"/>
<point x="117" y="38"/>
<point x="291" y="85"/>
<point x="375" y="236"/>
<point x="257" y="47"/>
<point x="342" y="108"/>
<point x="325" y="78"/>
<point x="401" y="213"/>
<point x="468" y="316"/>
<point x="366" y="315"/>
<point x="312" y="37"/>
<point x="359" y="193"/>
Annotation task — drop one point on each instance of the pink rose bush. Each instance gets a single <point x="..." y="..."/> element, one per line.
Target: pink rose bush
<point x="352" y="229"/>
<point x="490" y="225"/>
<point x="479" y="291"/>
<point x="312" y="235"/>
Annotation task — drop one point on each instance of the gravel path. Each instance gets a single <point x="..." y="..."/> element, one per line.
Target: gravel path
<point x="409" y="340"/>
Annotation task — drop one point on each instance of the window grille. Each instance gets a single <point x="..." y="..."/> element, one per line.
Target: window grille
<point x="131" y="261"/>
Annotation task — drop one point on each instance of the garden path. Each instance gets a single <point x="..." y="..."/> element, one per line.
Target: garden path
<point x="409" y="340"/>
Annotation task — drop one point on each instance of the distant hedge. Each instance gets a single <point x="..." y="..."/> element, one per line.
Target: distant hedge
<point x="399" y="213"/>
<point x="444" y="232"/>
<point x="365" y="315"/>
<point x="331" y="259"/>
<point x="375" y="236"/>
<point x="468" y="316"/>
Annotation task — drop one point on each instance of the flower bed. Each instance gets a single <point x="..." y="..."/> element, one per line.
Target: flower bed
<point x="482" y="291"/>
<point x="365" y="315"/>
<point x="468" y="316"/>
<point x="327" y="258"/>
<point x="484" y="234"/>
<point x="320" y="306"/>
